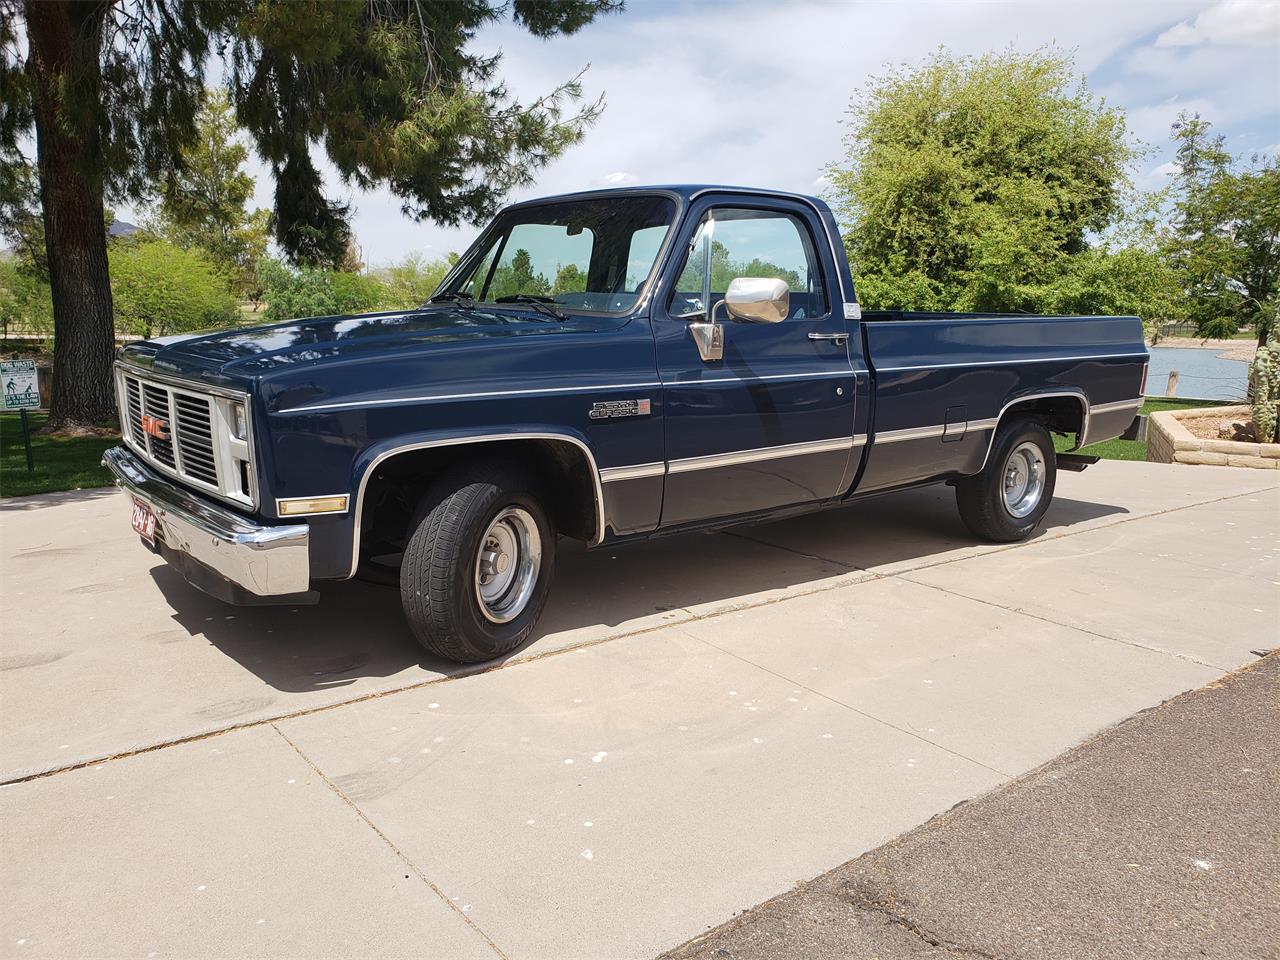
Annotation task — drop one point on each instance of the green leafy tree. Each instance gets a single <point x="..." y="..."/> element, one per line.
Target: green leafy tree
<point x="25" y="302"/>
<point x="160" y="288"/>
<point x="517" y="276"/>
<point x="412" y="281"/>
<point x="569" y="279"/>
<point x="392" y="92"/>
<point x="20" y="222"/>
<point x="1128" y="281"/>
<point x="971" y="180"/>
<point x="291" y="293"/>
<point x="1224" y="238"/>
<point x="724" y="270"/>
<point x="204" y="198"/>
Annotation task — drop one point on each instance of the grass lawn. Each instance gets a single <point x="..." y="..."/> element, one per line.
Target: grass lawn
<point x="1131" y="449"/>
<point x="61" y="464"/>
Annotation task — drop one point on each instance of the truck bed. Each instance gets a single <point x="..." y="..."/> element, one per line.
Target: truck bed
<point x="942" y="381"/>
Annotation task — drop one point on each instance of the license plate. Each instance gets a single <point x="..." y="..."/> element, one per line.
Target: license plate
<point x="144" y="522"/>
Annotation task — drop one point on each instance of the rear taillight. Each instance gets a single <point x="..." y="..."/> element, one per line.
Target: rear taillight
<point x="1142" y="390"/>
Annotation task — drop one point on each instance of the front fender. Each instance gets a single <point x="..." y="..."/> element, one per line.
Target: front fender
<point x="377" y="453"/>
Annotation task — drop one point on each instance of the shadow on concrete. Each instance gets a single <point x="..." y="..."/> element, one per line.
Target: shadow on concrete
<point x="357" y="630"/>
<point x="35" y="501"/>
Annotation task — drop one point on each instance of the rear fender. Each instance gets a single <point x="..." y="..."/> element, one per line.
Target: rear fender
<point x="1026" y="403"/>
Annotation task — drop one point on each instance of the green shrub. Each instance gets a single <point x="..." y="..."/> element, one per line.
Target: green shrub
<point x="412" y="281"/>
<point x="159" y="288"/>
<point x="26" y="305"/>
<point x="291" y="293"/>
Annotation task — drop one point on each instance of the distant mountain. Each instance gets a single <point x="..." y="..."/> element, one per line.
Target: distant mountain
<point x="122" y="228"/>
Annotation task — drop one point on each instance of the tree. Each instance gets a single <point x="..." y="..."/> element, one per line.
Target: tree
<point x="291" y="292"/>
<point x="1224" y="239"/>
<point x="517" y="277"/>
<point x="204" y="198"/>
<point x="971" y="180"/>
<point x="25" y="303"/>
<point x="391" y="91"/>
<point x="159" y="288"/>
<point x="724" y="270"/>
<point x="569" y="279"/>
<point x="20" y="222"/>
<point x="413" y="280"/>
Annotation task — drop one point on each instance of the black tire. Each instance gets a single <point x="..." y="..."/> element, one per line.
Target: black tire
<point x="439" y="580"/>
<point x="981" y="497"/>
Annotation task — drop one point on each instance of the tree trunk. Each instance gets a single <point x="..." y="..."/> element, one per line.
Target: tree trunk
<point x="64" y="64"/>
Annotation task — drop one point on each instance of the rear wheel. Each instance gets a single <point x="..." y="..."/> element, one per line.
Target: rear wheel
<point x="477" y="568"/>
<point x="1008" y="499"/>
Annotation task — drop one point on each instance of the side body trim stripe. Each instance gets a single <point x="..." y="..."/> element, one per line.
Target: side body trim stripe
<point x="635" y="472"/>
<point x="911" y="433"/>
<point x="1113" y="407"/>
<point x="472" y="396"/>
<point x="995" y="363"/>
<point x="735" y="457"/>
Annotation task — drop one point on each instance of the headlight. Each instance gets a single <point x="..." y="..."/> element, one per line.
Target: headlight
<point x="239" y="421"/>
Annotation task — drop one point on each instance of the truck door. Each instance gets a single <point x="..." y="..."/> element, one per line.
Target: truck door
<point x="771" y="422"/>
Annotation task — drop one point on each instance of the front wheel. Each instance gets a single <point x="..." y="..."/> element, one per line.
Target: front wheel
<point x="1008" y="499"/>
<point x="477" y="568"/>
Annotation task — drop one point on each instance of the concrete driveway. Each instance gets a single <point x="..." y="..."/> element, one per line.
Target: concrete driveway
<point x="700" y="723"/>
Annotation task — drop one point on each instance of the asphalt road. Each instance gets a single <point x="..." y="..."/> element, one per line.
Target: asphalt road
<point x="1160" y="838"/>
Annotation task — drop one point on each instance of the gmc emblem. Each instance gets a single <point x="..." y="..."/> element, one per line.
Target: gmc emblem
<point x="155" y="426"/>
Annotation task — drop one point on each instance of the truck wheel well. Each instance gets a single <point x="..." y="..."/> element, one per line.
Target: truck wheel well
<point x="1060" y="414"/>
<point x="398" y="483"/>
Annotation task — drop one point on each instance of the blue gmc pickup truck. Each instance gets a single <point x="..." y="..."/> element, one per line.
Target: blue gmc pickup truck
<point x="608" y="366"/>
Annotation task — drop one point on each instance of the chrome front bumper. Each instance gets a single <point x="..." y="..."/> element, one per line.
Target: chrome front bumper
<point x="216" y="549"/>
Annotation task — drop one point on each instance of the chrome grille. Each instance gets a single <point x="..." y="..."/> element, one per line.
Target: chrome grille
<point x="193" y="429"/>
<point x="133" y="401"/>
<point x="155" y="403"/>
<point x="195" y="442"/>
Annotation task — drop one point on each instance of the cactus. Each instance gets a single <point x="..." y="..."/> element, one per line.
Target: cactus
<point x="1264" y="389"/>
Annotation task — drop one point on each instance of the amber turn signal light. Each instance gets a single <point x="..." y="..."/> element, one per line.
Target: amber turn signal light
<point x="298" y="506"/>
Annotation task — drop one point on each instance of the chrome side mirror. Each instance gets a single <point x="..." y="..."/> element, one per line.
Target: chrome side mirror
<point x="757" y="299"/>
<point x="748" y="300"/>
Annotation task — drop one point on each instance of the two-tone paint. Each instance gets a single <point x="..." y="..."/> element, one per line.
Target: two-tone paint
<point x="798" y="415"/>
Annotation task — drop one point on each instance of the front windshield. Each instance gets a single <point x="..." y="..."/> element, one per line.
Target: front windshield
<point x="592" y="255"/>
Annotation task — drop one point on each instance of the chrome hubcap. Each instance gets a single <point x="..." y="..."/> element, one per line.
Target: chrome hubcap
<point x="507" y="564"/>
<point x="1023" y="479"/>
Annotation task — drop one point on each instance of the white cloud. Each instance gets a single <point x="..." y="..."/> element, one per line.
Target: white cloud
<point x="1159" y="177"/>
<point x="1231" y="22"/>
<point x="619" y="179"/>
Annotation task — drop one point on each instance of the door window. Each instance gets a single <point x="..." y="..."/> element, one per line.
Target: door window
<point x="735" y="242"/>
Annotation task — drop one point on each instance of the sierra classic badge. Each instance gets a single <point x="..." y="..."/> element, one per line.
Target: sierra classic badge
<point x="609" y="409"/>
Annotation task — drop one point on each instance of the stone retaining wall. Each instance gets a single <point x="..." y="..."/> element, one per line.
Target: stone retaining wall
<point x="1168" y="441"/>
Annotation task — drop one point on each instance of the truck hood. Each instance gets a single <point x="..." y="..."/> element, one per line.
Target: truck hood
<point x="236" y="355"/>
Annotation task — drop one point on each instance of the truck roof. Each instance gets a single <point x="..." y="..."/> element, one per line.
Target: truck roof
<point x="686" y="191"/>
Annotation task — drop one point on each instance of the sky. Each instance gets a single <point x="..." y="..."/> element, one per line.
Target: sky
<point x="755" y="93"/>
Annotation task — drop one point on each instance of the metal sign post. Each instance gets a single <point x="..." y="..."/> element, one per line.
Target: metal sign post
<point x="21" y="393"/>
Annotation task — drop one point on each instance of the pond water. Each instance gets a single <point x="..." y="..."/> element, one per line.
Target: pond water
<point x="1202" y="374"/>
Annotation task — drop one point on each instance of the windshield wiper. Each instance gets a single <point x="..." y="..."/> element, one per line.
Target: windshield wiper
<point x="544" y="305"/>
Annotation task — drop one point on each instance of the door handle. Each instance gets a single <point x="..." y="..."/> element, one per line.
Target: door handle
<point x="838" y="338"/>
